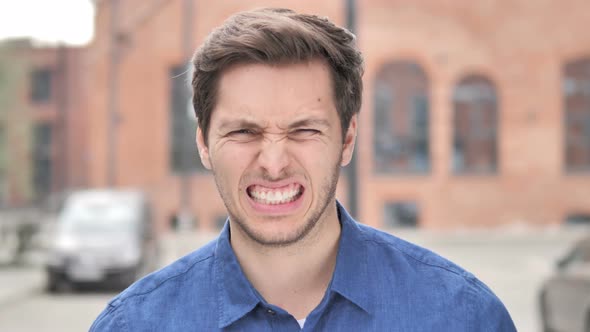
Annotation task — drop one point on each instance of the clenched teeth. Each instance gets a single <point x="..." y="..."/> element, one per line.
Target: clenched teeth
<point x="275" y="196"/>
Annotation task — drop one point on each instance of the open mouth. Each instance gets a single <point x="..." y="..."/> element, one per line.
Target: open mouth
<point x="275" y="196"/>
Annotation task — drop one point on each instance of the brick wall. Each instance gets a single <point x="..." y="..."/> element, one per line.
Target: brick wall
<point x="518" y="45"/>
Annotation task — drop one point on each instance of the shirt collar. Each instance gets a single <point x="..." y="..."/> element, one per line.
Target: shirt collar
<point x="351" y="275"/>
<point x="237" y="297"/>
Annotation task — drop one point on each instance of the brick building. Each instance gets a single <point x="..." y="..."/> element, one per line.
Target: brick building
<point x="41" y="122"/>
<point x="475" y="113"/>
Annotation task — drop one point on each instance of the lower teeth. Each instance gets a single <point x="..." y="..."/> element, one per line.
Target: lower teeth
<point x="283" y="201"/>
<point x="274" y="202"/>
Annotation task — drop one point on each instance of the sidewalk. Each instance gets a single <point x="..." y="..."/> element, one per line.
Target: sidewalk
<point x="18" y="282"/>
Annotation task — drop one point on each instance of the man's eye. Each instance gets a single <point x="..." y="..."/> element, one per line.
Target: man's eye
<point x="304" y="132"/>
<point x="308" y="130"/>
<point x="242" y="132"/>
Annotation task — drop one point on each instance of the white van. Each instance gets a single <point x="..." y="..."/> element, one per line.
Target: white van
<point x="102" y="236"/>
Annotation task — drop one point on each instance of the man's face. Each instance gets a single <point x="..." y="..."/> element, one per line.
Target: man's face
<point x="275" y="148"/>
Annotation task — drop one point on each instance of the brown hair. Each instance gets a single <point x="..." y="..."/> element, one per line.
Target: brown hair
<point x="278" y="36"/>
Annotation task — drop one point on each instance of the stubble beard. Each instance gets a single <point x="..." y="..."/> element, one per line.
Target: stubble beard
<point x="327" y="195"/>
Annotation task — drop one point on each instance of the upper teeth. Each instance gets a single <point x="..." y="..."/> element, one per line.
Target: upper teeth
<point x="275" y="196"/>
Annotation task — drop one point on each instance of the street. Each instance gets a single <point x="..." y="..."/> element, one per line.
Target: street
<point x="26" y="307"/>
<point x="44" y="312"/>
<point x="512" y="262"/>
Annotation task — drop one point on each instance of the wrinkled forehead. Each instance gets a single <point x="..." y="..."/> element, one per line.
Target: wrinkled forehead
<point x="260" y="93"/>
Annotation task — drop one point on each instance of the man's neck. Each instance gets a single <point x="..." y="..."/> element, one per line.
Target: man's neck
<point x="295" y="277"/>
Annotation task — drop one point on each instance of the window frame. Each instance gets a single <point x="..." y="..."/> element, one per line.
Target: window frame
<point x="476" y="108"/>
<point x="41" y="85"/>
<point x="411" y="147"/>
<point x="568" y="92"/>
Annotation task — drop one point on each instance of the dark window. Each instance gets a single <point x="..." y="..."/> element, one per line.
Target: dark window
<point x="184" y="157"/>
<point x="401" y="214"/>
<point x="41" y="81"/>
<point x="401" y="119"/>
<point x="576" y="93"/>
<point x="42" y="161"/>
<point x="475" y="122"/>
<point x="578" y="219"/>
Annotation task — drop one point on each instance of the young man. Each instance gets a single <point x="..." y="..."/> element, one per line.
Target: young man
<point x="277" y="96"/>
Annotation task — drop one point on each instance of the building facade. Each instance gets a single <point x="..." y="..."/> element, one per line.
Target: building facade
<point x="475" y="113"/>
<point x="42" y="121"/>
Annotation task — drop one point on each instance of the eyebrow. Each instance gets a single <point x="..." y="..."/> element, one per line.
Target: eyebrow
<point x="310" y="122"/>
<point x="241" y="123"/>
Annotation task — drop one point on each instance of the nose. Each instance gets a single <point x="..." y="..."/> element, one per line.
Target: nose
<point x="274" y="157"/>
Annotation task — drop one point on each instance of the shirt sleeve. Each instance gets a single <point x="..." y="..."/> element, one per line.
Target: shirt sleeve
<point x="109" y="320"/>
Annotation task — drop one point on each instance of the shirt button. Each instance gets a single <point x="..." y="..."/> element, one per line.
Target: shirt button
<point x="271" y="312"/>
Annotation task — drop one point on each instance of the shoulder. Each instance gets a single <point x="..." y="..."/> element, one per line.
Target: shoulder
<point x="160" y="289"/>
<point x="387" y="245"/>
<point x="430" y="281"/>
<point x="196" y="264"/>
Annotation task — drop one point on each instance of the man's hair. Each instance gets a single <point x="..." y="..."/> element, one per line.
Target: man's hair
<point x="278" y="36"/>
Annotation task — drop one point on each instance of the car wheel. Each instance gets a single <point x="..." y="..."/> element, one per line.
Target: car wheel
<point x="51" y="287"/>
<point x="52" y="281"/>
<point x="57" y="284"/>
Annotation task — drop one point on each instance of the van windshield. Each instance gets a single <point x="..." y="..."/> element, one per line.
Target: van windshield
<point x="100" y="218"/>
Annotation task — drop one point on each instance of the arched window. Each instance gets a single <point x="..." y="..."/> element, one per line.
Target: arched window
<point x="401" y="132"/>
<point x="475" y="122"/>
<point x="576" y="94"/>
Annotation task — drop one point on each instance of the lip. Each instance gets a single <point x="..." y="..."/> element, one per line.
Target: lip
<point x="276" y="209"/>
<point x="274" y="184"/>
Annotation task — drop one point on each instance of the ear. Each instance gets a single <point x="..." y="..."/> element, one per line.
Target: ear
<point x="349" y="140"/>
<point x="203" y="149"/>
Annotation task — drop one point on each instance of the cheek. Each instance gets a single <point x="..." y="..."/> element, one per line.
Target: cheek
<point x="230" y="162"/>
<point x="317" y="158"/>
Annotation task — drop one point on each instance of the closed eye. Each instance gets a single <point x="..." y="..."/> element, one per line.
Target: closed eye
<point x="302" y="133"/>
<point x="243" y="135"/>
<point x="307" y="131"/>
<point x="241" y="132"/>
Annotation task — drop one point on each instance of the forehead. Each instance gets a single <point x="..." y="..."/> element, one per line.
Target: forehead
<point x="273" y="92"/>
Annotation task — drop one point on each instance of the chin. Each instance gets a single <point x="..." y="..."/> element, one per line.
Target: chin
<point x="285" y="234"/>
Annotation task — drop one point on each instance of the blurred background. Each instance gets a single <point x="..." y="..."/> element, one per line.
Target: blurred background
<point x="474" y="141"/>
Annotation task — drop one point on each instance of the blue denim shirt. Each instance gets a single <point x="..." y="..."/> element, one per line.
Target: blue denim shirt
<point x="380" y="283"/>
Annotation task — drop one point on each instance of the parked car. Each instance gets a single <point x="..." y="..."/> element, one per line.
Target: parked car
<point x="565" y="297"/>
<point x="101" y="237"/>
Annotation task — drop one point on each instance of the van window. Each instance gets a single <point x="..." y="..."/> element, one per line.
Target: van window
<point x="91" y="217"/>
